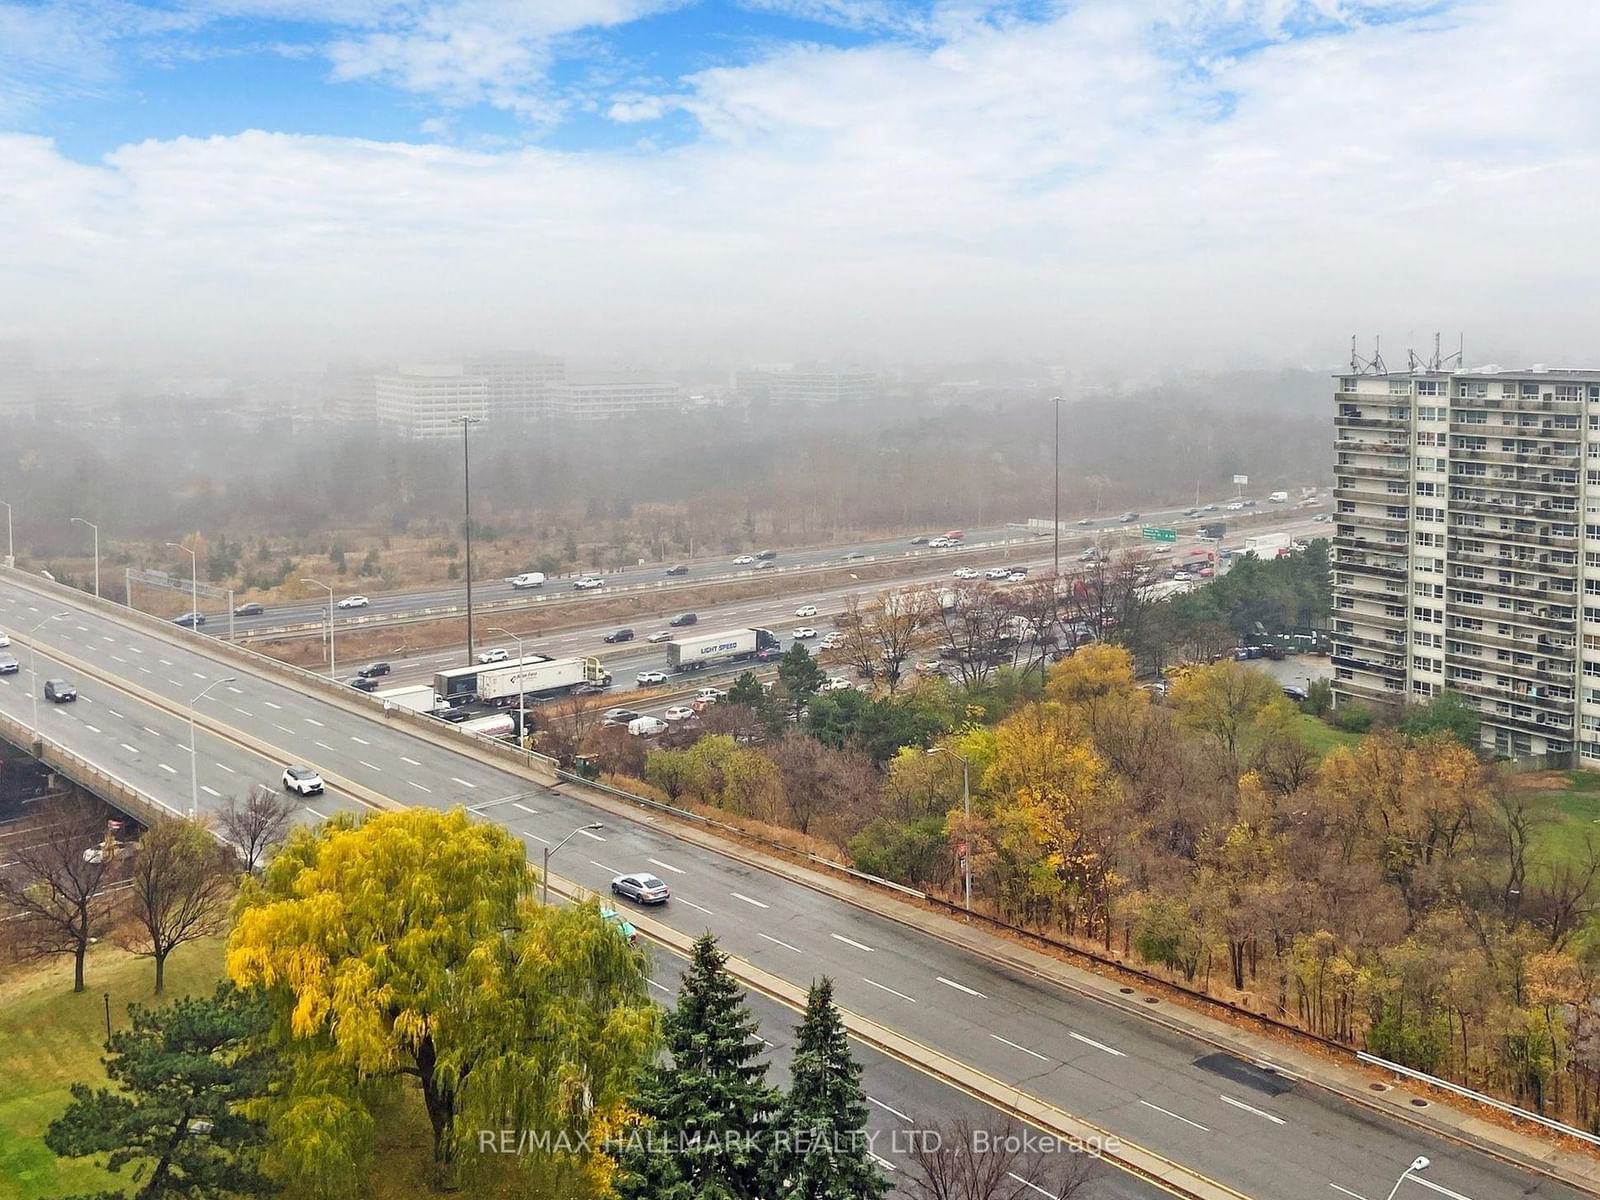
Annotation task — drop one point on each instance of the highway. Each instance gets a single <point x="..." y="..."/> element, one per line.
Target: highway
<point x="1256" y="1132"/>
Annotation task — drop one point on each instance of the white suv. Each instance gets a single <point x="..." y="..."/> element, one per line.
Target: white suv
<point x="806" y="610"/>
<point x="302" y="781"/>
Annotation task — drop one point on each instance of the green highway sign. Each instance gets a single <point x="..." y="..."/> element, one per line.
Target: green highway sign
<point x="1158" y="533"/>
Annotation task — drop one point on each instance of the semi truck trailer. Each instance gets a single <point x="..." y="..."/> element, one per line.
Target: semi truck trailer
<point x="418" y="698"/>
<point x="711" y="649"/>
<point x="503" y="683"/>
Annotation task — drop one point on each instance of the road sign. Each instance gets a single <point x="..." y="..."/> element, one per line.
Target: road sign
<point x="1158" y="533"/>
<point x="1241" y="480"/>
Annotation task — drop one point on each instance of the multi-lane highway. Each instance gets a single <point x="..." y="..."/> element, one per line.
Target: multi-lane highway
<point x="1258" y="1133"/>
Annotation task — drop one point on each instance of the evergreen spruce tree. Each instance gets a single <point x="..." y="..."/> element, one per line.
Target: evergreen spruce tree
<point x="822" y="1152"/>
<point x="707" y="1110"/>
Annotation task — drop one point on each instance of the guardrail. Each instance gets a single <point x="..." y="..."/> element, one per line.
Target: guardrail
<point x="119" y="793"/>
<point x="1455" y="1089"/>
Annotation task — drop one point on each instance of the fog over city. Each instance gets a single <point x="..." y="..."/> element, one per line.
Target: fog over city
<point x="1115" y="186"/>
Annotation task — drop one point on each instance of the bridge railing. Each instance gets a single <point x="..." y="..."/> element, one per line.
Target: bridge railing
<point x="117" y="792"/>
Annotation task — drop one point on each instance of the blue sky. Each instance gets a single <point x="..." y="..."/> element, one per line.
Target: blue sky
<point x="1158" y="182"/>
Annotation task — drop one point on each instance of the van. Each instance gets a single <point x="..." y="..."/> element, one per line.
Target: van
<point x="618" y="635"/>
<point x="682" y="619"/>
<point x="528" y="579"/>
<point x="647" y="726"/>
<point x="1278" y="497"/>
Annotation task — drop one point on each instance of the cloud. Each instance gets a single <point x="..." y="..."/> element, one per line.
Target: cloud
<point x="1108" y="186"/>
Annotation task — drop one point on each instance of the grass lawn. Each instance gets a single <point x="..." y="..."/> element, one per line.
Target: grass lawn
<point x="50" y="1039"/>
<point x="1575" y="796"/>
<point x="1322" y="737"/>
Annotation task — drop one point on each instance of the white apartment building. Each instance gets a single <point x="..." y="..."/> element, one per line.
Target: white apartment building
<point x="809" y="387"/>
<point x="1466" y="550"/>
<point x="520" y="387"/>
<point x="576" y="400"/>
<point x="424" y="401"/>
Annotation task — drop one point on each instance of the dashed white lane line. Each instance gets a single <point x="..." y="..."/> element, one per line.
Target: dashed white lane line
<point x="1014" y="1046"/>
<point x="369" y="766"/>
<point x="210" y="792"/>
<point x="1089" y="1041"/>
<point x="960" y="987"/>
<point x="85" y="629"/>
<point x="590" y="834"/>
<point x="90" y="727"/>
<point x="313" y="721"/>
<point x="116" y="714"/>
<point x="418" y="786"/>
<point x="1347" y="1192"/>
<point x="1167" y="1112"/>
<point x="163" y="662"/>
<point x="316" y="814"/>
<point x="152" y="732"/>
<point x="147" y="670"/>
<point x="1251" y="1109"/>
<point x="537" y="838"/>
<point x="184" y="750"/>
<point x="129" y="749"/>
<point x="227" y="768"/>
<point x="661" y="986"/>
<point x="881" y="1161"/>
<point x="323" y="746"/>
<point x="166" y="768"/>
<point x="893" y="1111"/>
<point x="270" y="704"/>
<point x="135" y="649"/>
<point x="748" y="900"/>
<point x="118" y="658"/>
<point x="1439" y="1187"/>
<point x="175" y="682"/>
<point x="776" y="942"/>
<point x="462" y="782"/>
<point x="883" y="987"/>
<point x="197" y="674"/>
<point x="696" y="907"/>
<point x="412" y="761"/>
<point x="839" y="937"/>
<point x="285" y="729"/>
<point x="1030" y="1186"/>
<point x="359" y="741"/>
<point x="242" y="712"/>
<point x="656" y="862"/>
<point x="603" y="867"/>
<point x="235" y="691"/>
<point x="532" y="812"/>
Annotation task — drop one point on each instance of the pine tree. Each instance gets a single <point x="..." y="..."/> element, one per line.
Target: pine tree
<point x="707" y="1110"/>
<point x="822" y="1151"/>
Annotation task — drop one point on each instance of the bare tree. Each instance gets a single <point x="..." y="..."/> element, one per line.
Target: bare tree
<point x="180" y="885"/>
<point x="879" y="638"/>
<point x="974" y="630"/>
<point x="56" y="885"/>
<point x="566" y="726"/>
<point x="961" y="1160"/>
<point x="1110" y="597"/>
<point x="256" y="825"/>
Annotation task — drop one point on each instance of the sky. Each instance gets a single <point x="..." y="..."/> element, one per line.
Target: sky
<point x="1106" y="184"/>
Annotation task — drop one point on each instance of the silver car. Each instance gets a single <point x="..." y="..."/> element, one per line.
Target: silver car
<point x="645" y="889"/>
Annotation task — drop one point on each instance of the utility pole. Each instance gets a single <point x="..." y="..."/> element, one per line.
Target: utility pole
<point x="11" y="549"/>
<point x="1056" y="402"/>
<point x="194" y="770"/>
<point x="329" y="589"/>
<point x="194" y="583"/>
<point x="96" y="529"/>
<point x="466" y="487"/>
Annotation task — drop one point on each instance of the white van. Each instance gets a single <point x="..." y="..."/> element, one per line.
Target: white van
<point x="1278" y="498"/>
<point x="646" y="726"/>
<point x="529" y="579"/>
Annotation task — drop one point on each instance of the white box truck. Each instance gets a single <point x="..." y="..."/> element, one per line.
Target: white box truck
<point x="1278" y="497"/>
<point x="418" y="698"/>
<point x="503" y="683"/>
<point x="702" y="650"/>
<point x="1267" y="545"/>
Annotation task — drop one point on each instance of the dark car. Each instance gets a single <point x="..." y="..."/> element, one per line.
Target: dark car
<point x="683" y="619"/>
<point x="374" y="670"/>
<point x="252" y="609"/>
<point x="769" y="565"/>
<point x="1294" y="692"/>
<point x="190" y="620"/>
<point x="591" y="689"/>
<point x="618" y="635"/>
<point x="619" y="716"/>
<point x="9" y="664"/>
<point x="59" y="691"/>
<point x="767" y="554"/>
<point x="446" y="713"/>
<point x="680" y="569"/>
<point x="767" y="654"/>
<point x="363" y="683"/>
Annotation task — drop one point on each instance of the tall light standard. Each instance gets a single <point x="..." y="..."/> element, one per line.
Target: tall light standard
<point x="1056" y="402"/>
<point x="96" y="528"/>
<point x="33" y="673"/>
<point x="522" y="686"/>
<point x="11" y="549"/>
<point x="194" y="583"/>
<point x="549" y="850"/>
<point x="1419" y="1163"/>
<point x="966" y="809"/>
<point x="194" y="771"/>
<point x="329" y="589"/>
<point x="466" y="488"/>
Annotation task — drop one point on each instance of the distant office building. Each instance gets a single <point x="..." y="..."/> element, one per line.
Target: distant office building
<point x="520" y="387"/>
<point x="18" y="388"/>
<point x="1466" y="550"/>
<point x="813" y="387"/>
<point x="605" y="400"/>
<point x="424" y="401"/>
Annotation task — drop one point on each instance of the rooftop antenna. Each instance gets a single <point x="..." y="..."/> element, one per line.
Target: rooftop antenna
<point x="1368" y="366"/>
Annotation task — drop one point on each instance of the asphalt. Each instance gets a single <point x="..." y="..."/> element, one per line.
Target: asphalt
<point x="1144" y="1082"/>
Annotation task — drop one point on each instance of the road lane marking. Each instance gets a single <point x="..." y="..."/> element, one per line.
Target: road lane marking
<point x="197" y="674"/>
<point x="235" y="691"/>
<point x="1033" y="1186"/>
<point x="536" y="838"/>
<point x="1169" y="1113"/>
<point x="316" y="814"/>
<point x="270" y="704"/>
<point x="118" y="658"/>
<point x="1089" y="1041"/>
<point x="286" y="729"/>
<point x="588" y="834"/>
<point x="369" y="766"/>
<point x="116" y="714"/>
<point x="90" y="727"/>
<point x="243" y="713"/>
<point x="462" y="782"/>
<point x="748" y="900"/>
<point x="359" y="741"/>
<point x="693" y="905"/>
<point x="1014" y="1046"/>
<point x="603" y="867"/>
<point x="153" y="732"/>
<point x="662" y="986"/>
<point x="1252" y="1109"/>
<point x="323" y="746"/>
<point x="227" y="768"/>
<point x="881" y="1161"/>
<point x="163" y="662"/>
<point x="185" y="750"/>
<point x="886" y="988"/>
<point x="175" y="682"/>
<point x="412" y="761"/>
<point x="147" y="670"/>
<point x="887" y="1109"/>
<point x="1347" y="1192"/>
<point x="1438" y="1187"/>
<point x="313" y="721"/>
<point x="166" y="768"/>
<point x="839" y="937"/>
<point x="135" y="649"/>
<point x="209" y="792"/>
<point x="532" y="812"/>
<point x="85" y="629"/>
<point x="960" y="987"/>
<point x="418" y="786"/>
<point x="666" y="866"/>
<point x="776" y="942"/>
<point x="130" y="749"/>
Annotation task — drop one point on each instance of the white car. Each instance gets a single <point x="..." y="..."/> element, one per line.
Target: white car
<point x="651" y="678"/>
<point x="832" y="642"/>
<point x="804" y="632"/>
<point x="302" y="780"/>
<point x="966" y="573"/>
<point x="661" y="635"/>
<point x="354" y="602"/>
<point x="679" y="712"/>
<point x="1235" y="507"/>
<point x="588" y="583"/>
<point x="997" y="572"/>
<point x="1320" y="519"/>
<point x="5" y="638"/>
<point x="806" y="610"/>
<point x="1017" y="577"/>
<point x="744" y="560"/>
<point x="1181" y="577"/>
<point x="838" y="684"/>
<point x="494" y="656"/>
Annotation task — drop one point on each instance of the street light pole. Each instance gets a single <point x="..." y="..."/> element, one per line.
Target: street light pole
<point x="194" y="583"/>
<point x="466" y="487"/>
<point x="966" y="809"/>
<point x="522" y="687"/>
<point x="329" y="589"/>
<point x="1056" y="402"/>
<point x="1419" y="1163"/>
<point x="11" y="549"/>
<point x="33" y="673"/>
<point x="194" y="770"/>
<point x="549" y="850"/>
<point x="96" y="529"/>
